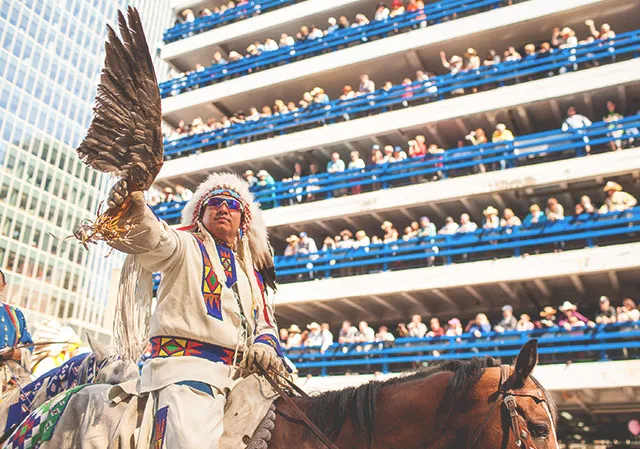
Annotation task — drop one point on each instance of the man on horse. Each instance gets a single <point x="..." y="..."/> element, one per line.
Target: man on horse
<point x="212" y="322"/>
<point x="13" y="333"/>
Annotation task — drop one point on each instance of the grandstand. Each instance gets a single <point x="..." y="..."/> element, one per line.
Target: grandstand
<point x="439" y="128"/>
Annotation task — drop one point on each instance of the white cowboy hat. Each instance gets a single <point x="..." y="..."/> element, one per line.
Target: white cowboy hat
<point x="567" y="306"/>
<point x="294" y="328"/>
<point x="610" y="185"/>
<point x="313" y="325"/>
<point x="490" y="211"/>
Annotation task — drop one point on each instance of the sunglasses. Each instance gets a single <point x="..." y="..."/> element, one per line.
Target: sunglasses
<point x="232" y="204"/>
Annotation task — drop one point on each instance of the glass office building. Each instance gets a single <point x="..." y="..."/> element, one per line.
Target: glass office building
<point x="51" y="54"/>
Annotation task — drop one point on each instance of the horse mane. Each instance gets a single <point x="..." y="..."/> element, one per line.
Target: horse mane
<point x="330" y="410"/>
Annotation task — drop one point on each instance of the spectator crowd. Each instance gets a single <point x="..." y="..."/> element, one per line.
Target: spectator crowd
<point x="615" y="200"/>
<point x="566" y="316"/>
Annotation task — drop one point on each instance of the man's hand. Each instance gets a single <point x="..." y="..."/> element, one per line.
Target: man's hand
<point x="118" y="194"/>
<point x="265" y="356"/>
<point x="8" y="353"/>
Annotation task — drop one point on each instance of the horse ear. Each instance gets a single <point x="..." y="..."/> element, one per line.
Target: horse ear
<point x="97" y="348"/>
<point x="525" y="362"/>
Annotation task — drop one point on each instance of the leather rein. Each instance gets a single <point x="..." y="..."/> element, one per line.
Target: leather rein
<point x="507" y="395"/>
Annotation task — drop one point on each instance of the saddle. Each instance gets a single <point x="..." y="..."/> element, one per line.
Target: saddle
<point x="249" y="415"/>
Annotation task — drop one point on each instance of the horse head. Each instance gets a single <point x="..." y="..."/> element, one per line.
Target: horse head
<point x="519" y="412"/>
<point x="112" y="369"/>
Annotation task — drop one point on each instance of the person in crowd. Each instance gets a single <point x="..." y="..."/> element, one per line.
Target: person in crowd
<point x="284" y="336"/>
<point x="362" y="240"/>
<point x="292" y="245"/>
<point x="554" y="210"/>
<point x="346" y="239"/>
<point x="479" y="326"/>
<point x="319" y="96"/>
<point x="549" y="317"/>
<point x="361" y="20"/>
<point x="388" y="154"/>
<point x="333" y="25"/>
<point x="14" y="336"/>
<point x="401" y="331"/>
<point x="367" y="86"/>
<point x="314" y="339"/>
<point x="183" y="193"/>
<point x="466" y="225"/>
<point x="453" y="65"/>
<point x="617" y="200"/>
<point x="577" y="122"/>
<point x="399" y="154"/>
<point x="606" y="313"/>
<point x="501" y="135"/>
<point x="335" y="165"/>
<point x="253" y="115"/>
<point x="306" y="244"/>
<point x="390" y="233"/>
<point x="365" y="333"/>
<point x="188" y="15"/>
<point x="455" y="328"/>
<point x="525" y="324"/>
<point x="573" y="318"/>
<point x="303" y="34"/>
<point x="491" y="220"/>
<point x="397" y="8"/>
<point x="418" y="147"/>
<point x="511" y="54"/>
<point x="427" y="228"/>
<point x="492" y="58"/>
<point x="327" y="336"/>
<point x="286" y="40"/>
<point x="382" y="12"/>
<point x="471" y="60"/>
<point x="530" y="51"/>
<point x="408" y="234"/>
<point x="270" y="45"/>
<point x="416" y="328"/>
<point x="535" y="215"/>
<point x="435" y="329"/>
<point x="356" y="161"/>
<point x="586" y="206"/>
<point x="508" y="321"/>
<point x="565" y="38"/>
<point x="347" y="93"/>
<point x="477" y="137"/>
<point x="295" y="337"/>
<point x="312" y="179"/>
<point x="605" y="31"/>
<point x="509" y="219"/>
<point x="450" y="227"/>
<point x="347" y="333"/>
<point x="384" y="336"/>
<point x="611" y="116"/>
<point x="329" y="244"/>
<point x="628" y="311"/>
<point x="415" y="227"/>
<point x="218" y="58"/>
<point x="343" y="23"/>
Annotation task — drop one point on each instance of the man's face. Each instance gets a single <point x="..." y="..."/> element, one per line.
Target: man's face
<point x="346" y="325"/>
<point x="604" y="305"/>
<point x="507" y="313"/>
<point x="435" y="323"/>
<point x="221" y="218"/>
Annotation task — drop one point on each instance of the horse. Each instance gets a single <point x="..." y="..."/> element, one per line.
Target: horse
<point x="102" y="366"/>
<point x="474" y="404"/>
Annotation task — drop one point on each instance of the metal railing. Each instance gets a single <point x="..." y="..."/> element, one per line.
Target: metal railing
<point x="555" y="345"/>
<point x="624" y="46"/>
<point x="206" y="23"/>
<point x="523" y="150"/>
<point x="337" y="40"/>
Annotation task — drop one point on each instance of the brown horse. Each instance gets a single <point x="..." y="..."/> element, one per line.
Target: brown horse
<point x="475" y="404"/>
<point x="451" y="404"/>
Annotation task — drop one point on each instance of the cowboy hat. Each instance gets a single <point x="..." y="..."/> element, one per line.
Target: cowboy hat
<point x="294" y="328"/>
<point x="567" y="306"/>
<point x="263" y="173"/>
<point x="313" y="325"/>
<point x="386" y="224"/>
<point x="346" y="232"/>
<point x="490" y="211"/>
<point x="610" y="185"/>
<point x="548" y="311"/>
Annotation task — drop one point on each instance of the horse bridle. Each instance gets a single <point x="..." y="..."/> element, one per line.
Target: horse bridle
<point x="507" y="395"/>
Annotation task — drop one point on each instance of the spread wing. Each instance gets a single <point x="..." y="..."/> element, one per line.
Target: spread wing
<point x="125" y="136"/>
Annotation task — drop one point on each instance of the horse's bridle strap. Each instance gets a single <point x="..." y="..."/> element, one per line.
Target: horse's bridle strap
<point x="303" y="416"/>
<point x="507" y="396"/>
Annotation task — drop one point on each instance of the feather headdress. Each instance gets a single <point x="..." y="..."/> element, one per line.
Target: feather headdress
<point x="253" y="221"/>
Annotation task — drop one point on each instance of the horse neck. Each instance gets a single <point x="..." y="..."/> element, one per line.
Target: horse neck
<point x="406" y="417"/>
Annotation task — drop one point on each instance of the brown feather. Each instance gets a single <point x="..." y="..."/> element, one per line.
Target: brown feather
<point x="125" y="135"/>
